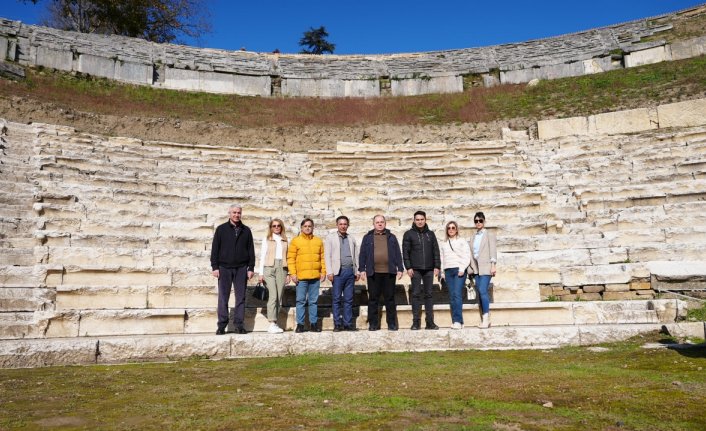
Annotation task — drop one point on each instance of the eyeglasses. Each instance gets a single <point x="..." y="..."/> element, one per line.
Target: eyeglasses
<point x="451" y="228"/>
<point x="478" y="221"/>
<point x="276" y="225"/>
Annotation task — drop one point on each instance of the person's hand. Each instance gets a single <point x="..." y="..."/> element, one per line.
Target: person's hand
<point x="330" y="277"/>
<point x="323" y="277"/>
<point x="261" y="279"/>
<point x="399" y="274"/>
<point x="357" y="277"/>
<point x="442" y="276"/>
<point x="216" y="273"/>
<point x="410" y="272"/>
<point x="492" y="270"/>
<point x="250" y="274"/>
<point x="436" y="272"/>
<point x="363" y="276"/>
<point x="294" y="278"/>
<point x="287" y="280"/>
<point x="460" y="274"/>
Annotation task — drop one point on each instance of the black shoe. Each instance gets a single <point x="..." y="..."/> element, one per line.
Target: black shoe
<point x="431" y="326"/>
<point x="337" y="328"/>
<point x="350" y="328"/>
<point x="240" y="330"/>
<point x="392" y="328"/>
<point x="415" y="326"/>
<point x="315" y="328"/>
<point x="300" y="329"/>
<point x="220" y="331"/>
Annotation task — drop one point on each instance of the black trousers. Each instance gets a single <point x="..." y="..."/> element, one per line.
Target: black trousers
<point x="228" y="277"/>
<point x="382" y="284"/>
<point x="422" y="284"/>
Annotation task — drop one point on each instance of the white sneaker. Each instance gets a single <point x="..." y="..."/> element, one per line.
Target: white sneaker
<point x="274" y="329"/>
<point x="485" y="321"/>
<point x="457" y="325"/>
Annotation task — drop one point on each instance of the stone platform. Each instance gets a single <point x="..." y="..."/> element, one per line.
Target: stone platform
<point x="121" y="349"/>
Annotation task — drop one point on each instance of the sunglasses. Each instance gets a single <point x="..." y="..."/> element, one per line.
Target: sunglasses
<point x="451" y="228"/>
<point x="478" y="221"/>
<point x="276" y="225"/>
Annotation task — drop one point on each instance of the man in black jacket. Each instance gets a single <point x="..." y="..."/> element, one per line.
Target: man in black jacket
<point x="420" y="251"/>
<point x="232" y="263"/>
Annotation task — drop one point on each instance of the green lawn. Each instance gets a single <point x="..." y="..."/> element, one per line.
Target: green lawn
<point x="624" y="386"/>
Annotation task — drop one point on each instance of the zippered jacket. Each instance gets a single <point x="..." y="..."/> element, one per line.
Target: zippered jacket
<point x="420" y="249"/>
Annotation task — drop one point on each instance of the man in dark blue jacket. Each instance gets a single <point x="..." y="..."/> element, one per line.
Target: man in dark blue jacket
<point x="380" y="261"/>
<point x="232" y="263"/>
<point x="420" y="251"/>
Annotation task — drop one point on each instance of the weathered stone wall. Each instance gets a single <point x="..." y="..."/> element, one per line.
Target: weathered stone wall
<point x="247" y="73"/>
<point x="106" y="236"/>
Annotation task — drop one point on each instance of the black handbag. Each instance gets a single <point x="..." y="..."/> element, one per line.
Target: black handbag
<point x="260" y="292"/>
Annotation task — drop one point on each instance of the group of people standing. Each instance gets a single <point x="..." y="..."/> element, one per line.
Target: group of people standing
<point x="307" y="260"/>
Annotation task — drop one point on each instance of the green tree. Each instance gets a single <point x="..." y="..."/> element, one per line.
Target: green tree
<point x="153" y="20"/>
<point x="315" y="40"/>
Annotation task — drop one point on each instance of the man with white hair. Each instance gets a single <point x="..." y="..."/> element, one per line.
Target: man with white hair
<point x="232" y="263"/>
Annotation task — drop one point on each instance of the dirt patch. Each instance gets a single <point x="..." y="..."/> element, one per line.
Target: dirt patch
<point x="62" y="421"/>
<point x="289" y="138"/>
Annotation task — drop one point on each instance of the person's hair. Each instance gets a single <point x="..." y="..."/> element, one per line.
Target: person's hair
<point x="447" y="228"/>
<point x="479" y="215"/>
<point x="342" y="217"/>
<point x="421" y="213"/>
<point x="234" y="206"/>
<point x="379" y="215"/>
<point x="281" y="233"/>
<point x="306" y="220"/>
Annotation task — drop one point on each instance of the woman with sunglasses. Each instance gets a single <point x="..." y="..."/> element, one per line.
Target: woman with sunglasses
<point x="273" y="270"/>
<point x="483" y="258"/>
<point x="455" y="256"/>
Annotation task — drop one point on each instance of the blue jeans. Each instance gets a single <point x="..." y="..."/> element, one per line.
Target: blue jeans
<point x="342" y="294"/>
<point x="455" y="285"/>
<point x="307" y="291"/>
<point x="482" y="284"/>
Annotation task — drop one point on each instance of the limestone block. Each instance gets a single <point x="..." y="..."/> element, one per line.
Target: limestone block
<point x="63" y="324"/>
<point x="216" y="82"/>
<point x="640" y="285"/>
<point x="23" y="276"/>
<point x="108" y="257"/>
<point x="550" y="129"/>
<point x="682" y="114"/>
<point x="689" y="48"/>
<point x="170" y="348"/>
<point x="545" y="258"/>
<point x="628" y="121"/>
<point x="490" y="80"/>
<point x="182" y="79"/>
<point x="622" y="287"/>
<point x="669" y="310"/>
<point x="23" y="324"/>
<point x="181" y="228"/>
<point x="540" y="313"/>
<point x="619" y="296"/>
<point x="131" y="322"/>
<point x="362" y="88"/>
<point x="596" y="65"/>
<point x="604" y="256"/>
<point x="417" y="86"/>
<point x="594" y="288"/>
<point x="26" y="299"/>
<point x="598" y="334"/>
<point x="551" y="71"/>
<point x="54" y="58"/>
<point x="184" y="297"/>
<point x="515" y="292"/>
<point x="117" y="276"/>
<point x="510" y="273"/>
<point x="596" y="274"/>
<point x="587" y="296"/>
<point x="100" y="297"/>
<point x="4" y="50"/>
<point x="657" y="54"/>
<point x="136" y="73"/>
<point x="514" y="337"/>
<point x="687" y="329"/>
<point x="45" y="353"/>
<point x="252" y="85"/>
<point x="296" y="87"/>
<point x="202" y="277"/>
<point x="614" y="312"/>
<point x="677" y="270"/>
<point x="201" y="321"/>
<point x="96" y="65"/>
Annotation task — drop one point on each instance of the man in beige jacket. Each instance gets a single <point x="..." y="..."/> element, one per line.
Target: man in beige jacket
<point x="341" y="257"/>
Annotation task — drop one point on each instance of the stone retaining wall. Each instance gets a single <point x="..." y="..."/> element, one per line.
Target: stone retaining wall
<point x="255" y="74"/>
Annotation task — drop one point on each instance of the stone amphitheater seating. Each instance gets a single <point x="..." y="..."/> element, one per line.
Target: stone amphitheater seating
<point x="105" y="236"/>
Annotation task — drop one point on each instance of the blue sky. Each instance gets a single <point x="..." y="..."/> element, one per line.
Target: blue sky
<point x="377" y="27"/>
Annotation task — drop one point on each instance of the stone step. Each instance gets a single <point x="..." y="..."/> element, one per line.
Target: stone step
<point x="91" y="323"/>
<point x="17" y="256"/>
<point x="14" y="299"/>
